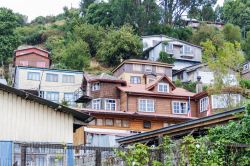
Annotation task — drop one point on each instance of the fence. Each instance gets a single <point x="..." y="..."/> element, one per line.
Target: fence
<point x="68" y="155"/>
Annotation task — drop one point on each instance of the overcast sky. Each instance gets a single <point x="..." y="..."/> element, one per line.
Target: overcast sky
<point x="34" y="8"/>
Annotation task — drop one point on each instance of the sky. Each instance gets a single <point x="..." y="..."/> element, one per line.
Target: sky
<point x="35" y="8"/>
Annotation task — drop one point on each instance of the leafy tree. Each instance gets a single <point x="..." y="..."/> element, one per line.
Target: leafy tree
<point x="76" y="55"/>
<point x="119" y="45"/>
<point x="173" y="10"/>
<point x="166" y="58"/>
<point x="223" y="61"/>
<point x="91" y="34"/>
<point x="246" y="46"/>
<point x="84" y="4"/>
<point x="207" y="13"/>
<point x="232" y="33"/>
<point x="9" y="40"/>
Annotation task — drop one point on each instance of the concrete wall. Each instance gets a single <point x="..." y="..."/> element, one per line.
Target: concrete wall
<point x="27" y="121"/>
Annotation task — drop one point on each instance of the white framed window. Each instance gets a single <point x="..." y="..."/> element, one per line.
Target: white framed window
<point x="69" y="98"/>
<point x="95" y="86"/>
<point x="160" y="69"/>
<point x="109" y="122"/>
<point x="35" y="76"/>
<point x="146" y="105"/>
<point x="96" y="104"/>
<point x="110" y="104"/>
<point x="137" y="67"/>
<point x="179" y="107"/>
<point x="68" y="79"/>
<point x="186" y="49"/>
<point x="53" y="96"/>
<point x="51" y="77"/>
<point x="169" y="47"/>
<point x="163" y="87"/>
<point x="148" y="68"/>
<point x="135" y="79"/>
<point x="224" y="100"/>
<point x="203" y="104"/>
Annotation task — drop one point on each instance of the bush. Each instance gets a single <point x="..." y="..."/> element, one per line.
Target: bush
<point x="166" y="58"/>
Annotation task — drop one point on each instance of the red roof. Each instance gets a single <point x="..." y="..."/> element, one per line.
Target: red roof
<point x="154" y="83"/>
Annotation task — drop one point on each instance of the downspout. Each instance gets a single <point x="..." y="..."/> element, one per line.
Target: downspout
<point x="127" y="102"/>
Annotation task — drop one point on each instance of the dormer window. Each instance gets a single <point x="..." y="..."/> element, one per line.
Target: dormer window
<point x="95" y="86"/>
<point x="163" y="87"/>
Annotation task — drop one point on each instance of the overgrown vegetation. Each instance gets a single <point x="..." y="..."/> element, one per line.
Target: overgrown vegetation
<point x="211" y="149"/>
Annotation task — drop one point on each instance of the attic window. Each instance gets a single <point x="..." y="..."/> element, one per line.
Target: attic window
<point x="146" y="124"/>
<point x="96" y="86"/>
<point x="163" y="87"/>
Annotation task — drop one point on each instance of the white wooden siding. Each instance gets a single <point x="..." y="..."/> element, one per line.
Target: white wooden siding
<point x="24" y="120"/>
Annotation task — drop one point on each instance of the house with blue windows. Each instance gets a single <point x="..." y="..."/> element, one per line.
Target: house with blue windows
<point x="54" y="85"/>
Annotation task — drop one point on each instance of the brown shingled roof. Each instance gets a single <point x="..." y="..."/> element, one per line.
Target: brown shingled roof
<point x="153" y="84"/>
<point x="103" y="77"/>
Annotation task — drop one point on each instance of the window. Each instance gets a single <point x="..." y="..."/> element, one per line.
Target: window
<point x="95" y="86"/>
<point x="148" y="68"/>
<point x="51" y="77"/>
<point x="68" y="79"/>
<point x="135" y="79"/>
<point x="99" y="122"/>
<point x="169" y="47"/>
<point x="163" y="87"/>
<point x="109" y="122"/>
<point x="110" y="104"/>
<point x="41" y="64"/>
<point x="146" y="105"/>
<point x="179" y="107"/>
<point x="69" y="98"/>
<point x="118" y="123"/>
<point x="186" y="50"/>
<point x="165" y="124"/>
<point x="137" y="67"/>
<point x="160" y="69"/>
<point x="125" y="123"/>
<point x="146" y="124"/>
<point x="53" y="96"/>
<point x="225" y="100"/>
<point x="33" y="76"/>
<point x="96" y="104"/>
<point x="203" y="104"/>
<point x="24" y="63"/>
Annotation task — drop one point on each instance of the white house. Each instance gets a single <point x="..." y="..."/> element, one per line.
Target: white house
<point x="185" y="54"/>
<point x="191" y="73"/>
<point x="30" y="119"/>
<point x="51" y="84"/>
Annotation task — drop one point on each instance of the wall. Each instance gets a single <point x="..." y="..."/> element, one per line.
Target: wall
<point x="27" y="121"/>
<point x="107" y="90"/>
<point x="21" y="81"/>
<point x="32" y="59"/>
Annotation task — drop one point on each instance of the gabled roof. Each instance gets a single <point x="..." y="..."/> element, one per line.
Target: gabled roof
<point x="155" y="82"/>
<point x="144" y="62"/>
<point x="171" y="39"/>
<point x="28" y="96"/>
<point x="103" y="78"/>
<point x="190" y="68"/>
<point x="26" y="47"/>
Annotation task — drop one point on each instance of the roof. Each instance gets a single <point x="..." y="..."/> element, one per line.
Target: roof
<point x="216" y="118"/>
<point x="191" y="68"/>
<point x="26" y="47"/>
<point x="103" y="77"/>
<point x="142" y="89"/>
<point x="153" y="84"/>
<point x="49" y="69"/>
<point x="137" y="114"/>
<point x="28" y="96"/>
<point x="140" y="61"/>
<point x="172" y="39"/>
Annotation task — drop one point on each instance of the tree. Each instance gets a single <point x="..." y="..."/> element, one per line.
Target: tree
<point x="173" y="10"/>
<point x="207" y="13"/>
<point x="84" y="4"/>
<point x="232" y="33"/>
<point x="9" y="40"/>
<point x="91" y="34"/>
<point x="119" y="45"/>
<point x="223" y="61"/>
<point x="166" y="58"/>
<point x="76" y="55"/>
<point x="246" y="46"/>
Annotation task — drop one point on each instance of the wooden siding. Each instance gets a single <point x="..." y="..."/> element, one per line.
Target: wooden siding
<point x="32" y="60"/>
<point x="107" y="90"/>
<point x="22" y="120"/>
<point x="79" y="136"/>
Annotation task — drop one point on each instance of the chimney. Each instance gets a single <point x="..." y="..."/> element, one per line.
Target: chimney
<point x="199" y="87"/>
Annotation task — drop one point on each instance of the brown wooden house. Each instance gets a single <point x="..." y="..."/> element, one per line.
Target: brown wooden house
<point x="32" y="56"/>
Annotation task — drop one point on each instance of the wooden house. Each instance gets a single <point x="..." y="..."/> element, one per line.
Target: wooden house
<point x="32" y="56"/>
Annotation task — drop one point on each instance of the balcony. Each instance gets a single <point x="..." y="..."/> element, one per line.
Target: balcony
<point x="81" y="96"/>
